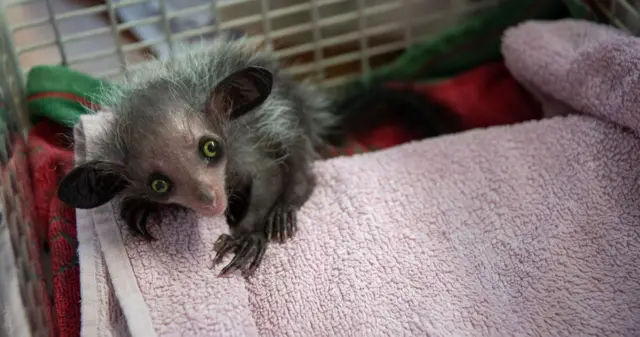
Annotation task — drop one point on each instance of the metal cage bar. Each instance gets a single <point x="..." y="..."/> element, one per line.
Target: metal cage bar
<point x="114" y="32"/>
<point x="56" y="31"/>
<point x="317" y="37"/>
<point x="358" y="10"/>
<point x="166" y="28"/>
<point x="408" y="33"/>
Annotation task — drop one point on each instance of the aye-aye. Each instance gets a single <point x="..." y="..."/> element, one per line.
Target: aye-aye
<point x="220" y="123"/>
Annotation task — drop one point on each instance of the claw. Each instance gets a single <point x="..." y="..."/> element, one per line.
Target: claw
<point x="128" y="216"/>
<point x="284" y="226"/>
<point x="270" y="227"/>
<point x="240" y="260"/>
<point x="281" y="224"/>
<point x="249" y="249"/>
<point x="278" y="224"/>
<point x="223" y="245"/>
<point x="293" y="224"/>
<point x="142" y="224"/>
<point x="262" y="248"/>
<point x="221" y="242"/>
<point x="136" y="213"/>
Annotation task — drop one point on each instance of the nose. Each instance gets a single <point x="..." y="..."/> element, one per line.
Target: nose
<point x="205" y="195"/>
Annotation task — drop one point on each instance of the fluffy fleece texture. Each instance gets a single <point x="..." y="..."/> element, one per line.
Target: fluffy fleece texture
<point x="523" y="230"/>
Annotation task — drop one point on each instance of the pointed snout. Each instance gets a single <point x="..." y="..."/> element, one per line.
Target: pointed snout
<point x="208" y="200"/>
<point x="206" y="195"/>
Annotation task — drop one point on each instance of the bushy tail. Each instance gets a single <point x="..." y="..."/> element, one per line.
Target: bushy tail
<point x="362" y="112"/>
<point x="325" y="121"/>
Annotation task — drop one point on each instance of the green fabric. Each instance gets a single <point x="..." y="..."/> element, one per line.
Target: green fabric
<point x="469" y="44"/>
<point x="579" y="9"/>
<point x="52" y="80"/>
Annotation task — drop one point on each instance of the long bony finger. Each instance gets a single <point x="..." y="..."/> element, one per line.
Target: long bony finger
<point x="240" y="260"/>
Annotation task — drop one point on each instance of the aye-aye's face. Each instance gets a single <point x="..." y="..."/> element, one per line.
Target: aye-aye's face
<point x="172" y="153"/>
<point x="185" y="166"/>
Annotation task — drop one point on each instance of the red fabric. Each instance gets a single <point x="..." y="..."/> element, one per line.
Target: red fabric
<point x="484" y="96"/>
<point x="377" y="139"/>
<point x="50" y="157"/>
<point x="16" y="181"/>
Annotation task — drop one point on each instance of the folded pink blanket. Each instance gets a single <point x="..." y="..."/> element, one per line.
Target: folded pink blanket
<point x="523" y="230"/>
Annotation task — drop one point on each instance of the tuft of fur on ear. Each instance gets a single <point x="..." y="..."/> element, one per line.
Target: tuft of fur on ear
<point x="241" y="92"/>
<point x="92" y="184"/>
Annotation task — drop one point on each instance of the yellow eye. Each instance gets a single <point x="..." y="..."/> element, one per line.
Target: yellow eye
<point x="210" y="149"/>
<point x="160" y="186"/>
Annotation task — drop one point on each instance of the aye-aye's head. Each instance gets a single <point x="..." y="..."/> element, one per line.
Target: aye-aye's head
<point x="166" y="150"/>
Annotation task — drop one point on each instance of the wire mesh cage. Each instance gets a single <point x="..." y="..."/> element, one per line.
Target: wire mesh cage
<point x="625" y="14"/>
<point x="332" y="40"/>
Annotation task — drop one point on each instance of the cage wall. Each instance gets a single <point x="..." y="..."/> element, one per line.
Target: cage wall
<point x="328" y="38"/>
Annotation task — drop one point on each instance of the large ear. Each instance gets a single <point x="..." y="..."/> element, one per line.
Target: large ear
<point x="91" y="184"/>
<point x="241" y="91"/>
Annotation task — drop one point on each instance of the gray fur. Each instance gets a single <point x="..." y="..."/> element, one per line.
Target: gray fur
<point x="151" y="101"/>
<point x="159" y="113"/>
<point x="145" y="96"/>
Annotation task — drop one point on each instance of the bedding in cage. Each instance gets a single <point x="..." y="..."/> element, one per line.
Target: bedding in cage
<point x="352" y="45"/>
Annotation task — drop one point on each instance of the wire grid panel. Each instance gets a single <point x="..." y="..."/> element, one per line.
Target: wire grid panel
<point x="624" y="14"/>
<point x="332" y="39"/>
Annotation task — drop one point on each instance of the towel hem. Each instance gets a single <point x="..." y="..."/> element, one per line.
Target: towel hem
<point x="89" y="303"/>
<point x="88" y="263"/>
<point x="123" y="279"/>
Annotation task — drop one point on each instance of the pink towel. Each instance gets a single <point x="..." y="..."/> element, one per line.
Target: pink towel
<point x="523" y="230"/>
